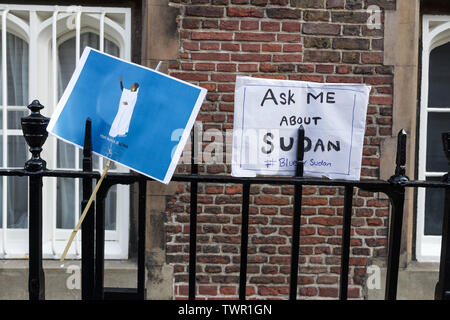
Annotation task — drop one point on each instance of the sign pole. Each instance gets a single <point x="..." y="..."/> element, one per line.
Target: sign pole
<point x="85" y="211"/>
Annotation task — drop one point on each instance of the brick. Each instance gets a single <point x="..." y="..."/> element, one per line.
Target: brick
<point x="260" y="3"/>
<point x="283" y="13"/>
<point x="251" y="57"/>
<point x="272" y="47"/>
<point x="210" y="24"/>
<point x="372" y="57"/>
<point x="290" y="26"/>
<point x="317" y="42"/>
<point x="246" y="36"/>
<point x="191" y="23"/>
<point x="270" y="26"/>
<point x="244" y="12"/>
<point x="351" y="44"/>
<point x="229" y="46"/>
<point x="212" y="36"/>
<point x="229" y="25"/>
<point x="249" y="25"/>
<point x="251" y="47"/>
<point x="321" y="56"/>
<point x="383" y="4"/>
<point x="351" y="57"/>
<point x="318" y="4"/>
<point x="288" y="58"/>
<point x="321" y="28"/>
<point x="205" y="66"/>
<point x="335" y="4"/>
<point x="353" y="4"/>
<point x="209" y="46"/>
<point x="288" y="37"/>
<point x="292" y="48"/>
<point x="190" y="76"/>
<point x="316" y="15"/>
<point x="350" y="17"/>
<point x="204" y="11"/>
<point x="210" y="56"/>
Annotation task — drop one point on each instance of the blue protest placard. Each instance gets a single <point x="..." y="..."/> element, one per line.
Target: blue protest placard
<point x="135" y="112"/>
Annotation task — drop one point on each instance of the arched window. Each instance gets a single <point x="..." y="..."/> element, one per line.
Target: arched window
<point x="42" y="45"/>
<point x="434" y="119"/>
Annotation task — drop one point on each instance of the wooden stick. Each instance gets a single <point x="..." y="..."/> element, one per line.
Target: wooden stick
<point x="85" y="211"/>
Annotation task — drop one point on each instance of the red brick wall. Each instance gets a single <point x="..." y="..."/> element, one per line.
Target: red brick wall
<point x="320" y="40"/>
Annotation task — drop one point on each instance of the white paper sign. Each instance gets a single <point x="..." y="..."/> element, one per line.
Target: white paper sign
<point x="268" y="114"/>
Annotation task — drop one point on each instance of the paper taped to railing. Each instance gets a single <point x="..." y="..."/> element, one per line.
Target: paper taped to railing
<point x="268" y="114"/>
<point x="141" y="118"/>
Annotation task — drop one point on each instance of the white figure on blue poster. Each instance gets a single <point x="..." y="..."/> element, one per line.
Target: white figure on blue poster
<point x="132" y="124"/>
<point x="121" y="122"/>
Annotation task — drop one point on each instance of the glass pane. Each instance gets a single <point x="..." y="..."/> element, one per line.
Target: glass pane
<point x="17" y="70"/>
<point x="434" y="209"/>
<point x="439" y="77"/>
<point x="14" y="119"/>
<point x="65" y="203"/>
<point x="17" y="202"/>
<point x="65" y="155"/>
<point x="66" y="55"/>
<point x="17" y="151"/>
<point x="437" y="123"/>
<point x="111" y="209"/>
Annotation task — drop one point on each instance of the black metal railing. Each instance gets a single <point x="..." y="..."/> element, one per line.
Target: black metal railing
<point x="93" y="228"/>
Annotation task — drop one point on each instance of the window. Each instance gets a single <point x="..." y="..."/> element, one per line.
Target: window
<point x="434" y="119"/>
<point x="40" y="47"/>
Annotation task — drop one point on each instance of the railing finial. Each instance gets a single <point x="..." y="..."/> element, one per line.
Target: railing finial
<point x="34" y="127"/>
<point x="400" y="169"/>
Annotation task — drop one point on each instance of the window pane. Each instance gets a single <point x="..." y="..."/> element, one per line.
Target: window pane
<point x="437" y="123"/>
<point x="65" y="203"/>
<point x="434" y="209"/>
<point x="66" y="55"/>
<point x="17" y="202"/>
<point x="17" y="151"/>
<point x="65" y="155"/>
<point x="17" y="70"/>
<point x="439" y="77"/>
<point x="14" y="119"/>
<point x="110" y="209"/>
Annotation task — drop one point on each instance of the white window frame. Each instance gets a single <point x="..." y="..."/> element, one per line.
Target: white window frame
<point x="43" y="36"/>
<point x="435" y="32"/>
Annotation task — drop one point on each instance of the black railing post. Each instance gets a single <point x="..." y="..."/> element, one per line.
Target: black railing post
<point x="193" y="216"/>
<point x="88" y="226"/>
<point x="296" y="215"/>
<point x="34" y="128"/>
<point x="244" y="240"/>
<point x="346" y="232"/>
<point x="443" y="286"/>
<point x="397" y="198"/>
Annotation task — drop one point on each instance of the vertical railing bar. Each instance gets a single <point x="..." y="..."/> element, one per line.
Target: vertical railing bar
<point x="296" y="216"/>
<point x="88" y="227"/>
<point x="100" y="243"/>
<point x="102" y="32"/>
<point x="77" y="160"/>
<point x="5" y="130"/>
<point x="55" y="100"/>
<point x="244" y="240"/>
<point x="193" y="219"/>
<point x="442" y="291"/>
<point x="345" y="250"/>
<point x="397" y="197"/>
<point x="141" y="239"/>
